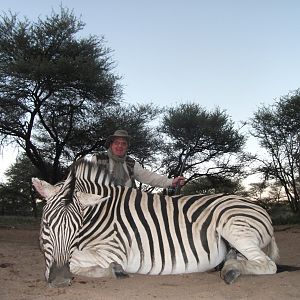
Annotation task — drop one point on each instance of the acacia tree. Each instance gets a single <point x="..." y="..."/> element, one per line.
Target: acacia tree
<point x="277" y="129"/>
<point x="18" y="198"/>
<point x="136" y="119"/>
<point x="52" y="86"/>
<point x="202" y="143"/>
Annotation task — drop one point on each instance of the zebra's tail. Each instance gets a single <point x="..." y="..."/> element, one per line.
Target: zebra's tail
<point x="286" y="268"/>
<point x="272" y="250"/>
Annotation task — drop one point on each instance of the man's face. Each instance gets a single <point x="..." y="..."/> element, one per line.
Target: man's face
<point x="119" y="146"/>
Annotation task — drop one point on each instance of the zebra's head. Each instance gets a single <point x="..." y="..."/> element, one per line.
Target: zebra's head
<point x="61" y="221"/>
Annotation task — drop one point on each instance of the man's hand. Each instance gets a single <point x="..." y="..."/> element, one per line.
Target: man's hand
<point x="178" y="181"/>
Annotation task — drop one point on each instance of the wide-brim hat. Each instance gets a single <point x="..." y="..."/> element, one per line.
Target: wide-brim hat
<point x="118" y="133"/>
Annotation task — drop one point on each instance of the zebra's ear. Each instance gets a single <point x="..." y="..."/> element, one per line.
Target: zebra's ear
<point x="45" y="189"/>
<point x="90" y="199"/>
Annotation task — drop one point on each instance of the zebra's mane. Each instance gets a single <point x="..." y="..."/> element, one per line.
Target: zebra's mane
<point x="69" y="185"/>
<point x="87" y="171"/>
<point x="91" y="169"/>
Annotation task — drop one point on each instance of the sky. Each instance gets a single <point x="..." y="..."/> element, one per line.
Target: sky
<point x="232" y="54"/>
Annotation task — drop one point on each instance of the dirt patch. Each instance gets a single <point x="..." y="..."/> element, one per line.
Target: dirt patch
<point x="22" y="268"/>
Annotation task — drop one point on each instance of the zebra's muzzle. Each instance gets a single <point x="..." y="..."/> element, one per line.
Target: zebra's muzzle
<point x="60" y="276"/>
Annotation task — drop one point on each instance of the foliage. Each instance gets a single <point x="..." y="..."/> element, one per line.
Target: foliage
<point x="52" y="86"/>
<point x="59" y="99"/>
<point x="281" y="213"/>
<point x="212" y="185"/>
<point x="277" y="129"/>
<point x="202" y="143"/>
<point x="136" y="119"/>
<point x="16" y="195"/>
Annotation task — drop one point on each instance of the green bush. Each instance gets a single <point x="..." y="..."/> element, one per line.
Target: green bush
<point x="281" y="214"/>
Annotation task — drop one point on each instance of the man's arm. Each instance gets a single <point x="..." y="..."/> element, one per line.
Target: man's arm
<point x="154" y="179"/>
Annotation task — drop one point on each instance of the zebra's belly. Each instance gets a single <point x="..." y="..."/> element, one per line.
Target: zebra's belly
<point x="143" y="263"/>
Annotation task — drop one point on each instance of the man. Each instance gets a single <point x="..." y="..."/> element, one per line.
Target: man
<point x="126" y="170"/>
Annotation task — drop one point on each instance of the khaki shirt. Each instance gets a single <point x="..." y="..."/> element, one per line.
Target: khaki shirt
<point x="145" y="176"/>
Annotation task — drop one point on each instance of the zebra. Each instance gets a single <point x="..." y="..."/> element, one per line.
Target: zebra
<point x="93" y="228"/>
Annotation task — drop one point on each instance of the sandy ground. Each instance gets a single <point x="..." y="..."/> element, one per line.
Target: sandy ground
<point x="22" y="267"/>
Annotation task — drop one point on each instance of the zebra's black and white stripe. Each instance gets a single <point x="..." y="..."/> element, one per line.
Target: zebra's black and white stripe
<point x="113" y="227"/>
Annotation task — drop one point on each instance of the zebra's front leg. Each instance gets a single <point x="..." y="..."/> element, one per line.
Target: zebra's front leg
<point x="88" y="262"/>
<point x="114" y="270"/>
<point x="117" y="271"/>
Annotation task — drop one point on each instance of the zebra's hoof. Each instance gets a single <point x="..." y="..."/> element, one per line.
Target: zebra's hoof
<point x="118" y="272"/>
<point x="230" y="276"/>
